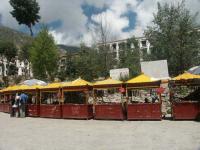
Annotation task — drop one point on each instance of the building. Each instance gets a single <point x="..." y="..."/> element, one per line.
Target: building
<point x="66" y="53"/>
<point x="116" y="46"/>
<point x="22" y="67"/>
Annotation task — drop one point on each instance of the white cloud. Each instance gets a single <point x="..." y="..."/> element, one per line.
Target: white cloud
<point x="73" y="29"/>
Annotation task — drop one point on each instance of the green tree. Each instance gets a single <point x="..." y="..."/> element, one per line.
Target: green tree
<point x="130" y="56"/>
<point x="44" y="56"/>
<point x="86" y="64"/>
<point x="24" y="52"/>
<point x="174" y="37"/>
<point x="8" y="50"/>
<point x="25" y="12"/>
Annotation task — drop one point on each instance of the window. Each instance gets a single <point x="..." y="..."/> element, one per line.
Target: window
<point x="49" y="98"/>
<point x="114" y="46"/>
<point x="143" y="96"/>
<point x="75" y="97"/>
<point x="144" y="43"/>
<point x="108" y="95"/>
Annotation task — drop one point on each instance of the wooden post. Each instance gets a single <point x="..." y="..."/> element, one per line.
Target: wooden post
<point x="87" y="97"/>
<point x="62" y="95"/>
<point x="40" y="96"/>
<point x="36" y="96"/>
<point x="127" y="96"/>
<point x="59" y="95"/>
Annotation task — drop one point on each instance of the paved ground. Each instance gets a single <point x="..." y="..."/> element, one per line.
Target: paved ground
<point x="54" y="134"/>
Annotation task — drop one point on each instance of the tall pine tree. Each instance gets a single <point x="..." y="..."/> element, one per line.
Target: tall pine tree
<point x="44" y="56"/>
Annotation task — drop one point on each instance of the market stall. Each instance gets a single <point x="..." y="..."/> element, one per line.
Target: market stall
<point x="143" y="98"/>
<point x="50" y="101"/>
<point x="6" y="95"/>
<point x="108" y="97"/>
<point x="33" y="104"/>
<point x="185" y="96"/>
<point x="77" y="99"/>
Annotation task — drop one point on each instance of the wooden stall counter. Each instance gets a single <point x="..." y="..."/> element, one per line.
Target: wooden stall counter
<point x="50" y="111"/>
<point x="185" y="110"/>
<point x="77" y="111"/>
<point x="112" y="111"/>
<point x="33" y="110"/>
<point x="6" y="108"/>
<point x="1" y="107"/>
<point x="143" y="111"/>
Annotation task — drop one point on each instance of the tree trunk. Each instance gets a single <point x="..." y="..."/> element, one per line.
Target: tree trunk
<point x="30" y="28"/>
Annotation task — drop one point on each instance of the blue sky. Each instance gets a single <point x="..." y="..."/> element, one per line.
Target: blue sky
<point x="75" y="21"/>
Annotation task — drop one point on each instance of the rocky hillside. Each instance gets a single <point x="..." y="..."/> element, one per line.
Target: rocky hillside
<point x="19" y="38"/>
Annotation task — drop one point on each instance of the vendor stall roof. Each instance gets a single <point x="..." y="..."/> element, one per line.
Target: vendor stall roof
<point x="77" y="82"/>
<point x="108" y="81"/>
<point x="52" y="86"/>
<point x="141" y="79"/>
<point x="27" y="87"/>
<point x="186" y="76"/>
<point x="10" y="88"/>
<point x="20" y="88"/>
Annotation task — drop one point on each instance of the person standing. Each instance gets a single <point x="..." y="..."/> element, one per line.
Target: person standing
<point x="12" y="108"/>
<point x="22" y="105"/>
<point x="17" y="113"/>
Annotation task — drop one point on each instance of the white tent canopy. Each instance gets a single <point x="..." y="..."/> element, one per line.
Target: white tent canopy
<point x="194" y="70"/>
<point x="33" y="82"/>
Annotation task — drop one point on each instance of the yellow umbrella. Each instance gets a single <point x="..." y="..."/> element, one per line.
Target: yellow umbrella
<point x="186" y="76"/>
<point x="108" y="81"/>
<point x="141" y="79"/>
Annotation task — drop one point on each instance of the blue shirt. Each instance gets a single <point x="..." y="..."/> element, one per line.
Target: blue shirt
<point x="23" y="98"/>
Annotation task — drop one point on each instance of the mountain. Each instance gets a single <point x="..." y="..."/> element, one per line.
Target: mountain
<point x="19" y="38"/>
<point x="67" y="48"/>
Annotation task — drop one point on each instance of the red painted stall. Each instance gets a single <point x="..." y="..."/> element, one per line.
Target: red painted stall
<point x="76" y="96"/>
<point x="50" y="98"/>
<point x="31" y="91"/>
<point x="143" y="99"/>
<point x="6" y="108"/>
<point x="6" y="95"/>
<point x="185" y="107"/>
<point x="185" y="110"/>
<point x="1" y="107"/>
<point x="33" y="105"/>
<point x="109" y="111"/>
<point x="105" y="107"/>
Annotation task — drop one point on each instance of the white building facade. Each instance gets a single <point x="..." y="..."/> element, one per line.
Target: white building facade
<point x="114" y="46"/>
<point x="23" y="67"/>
